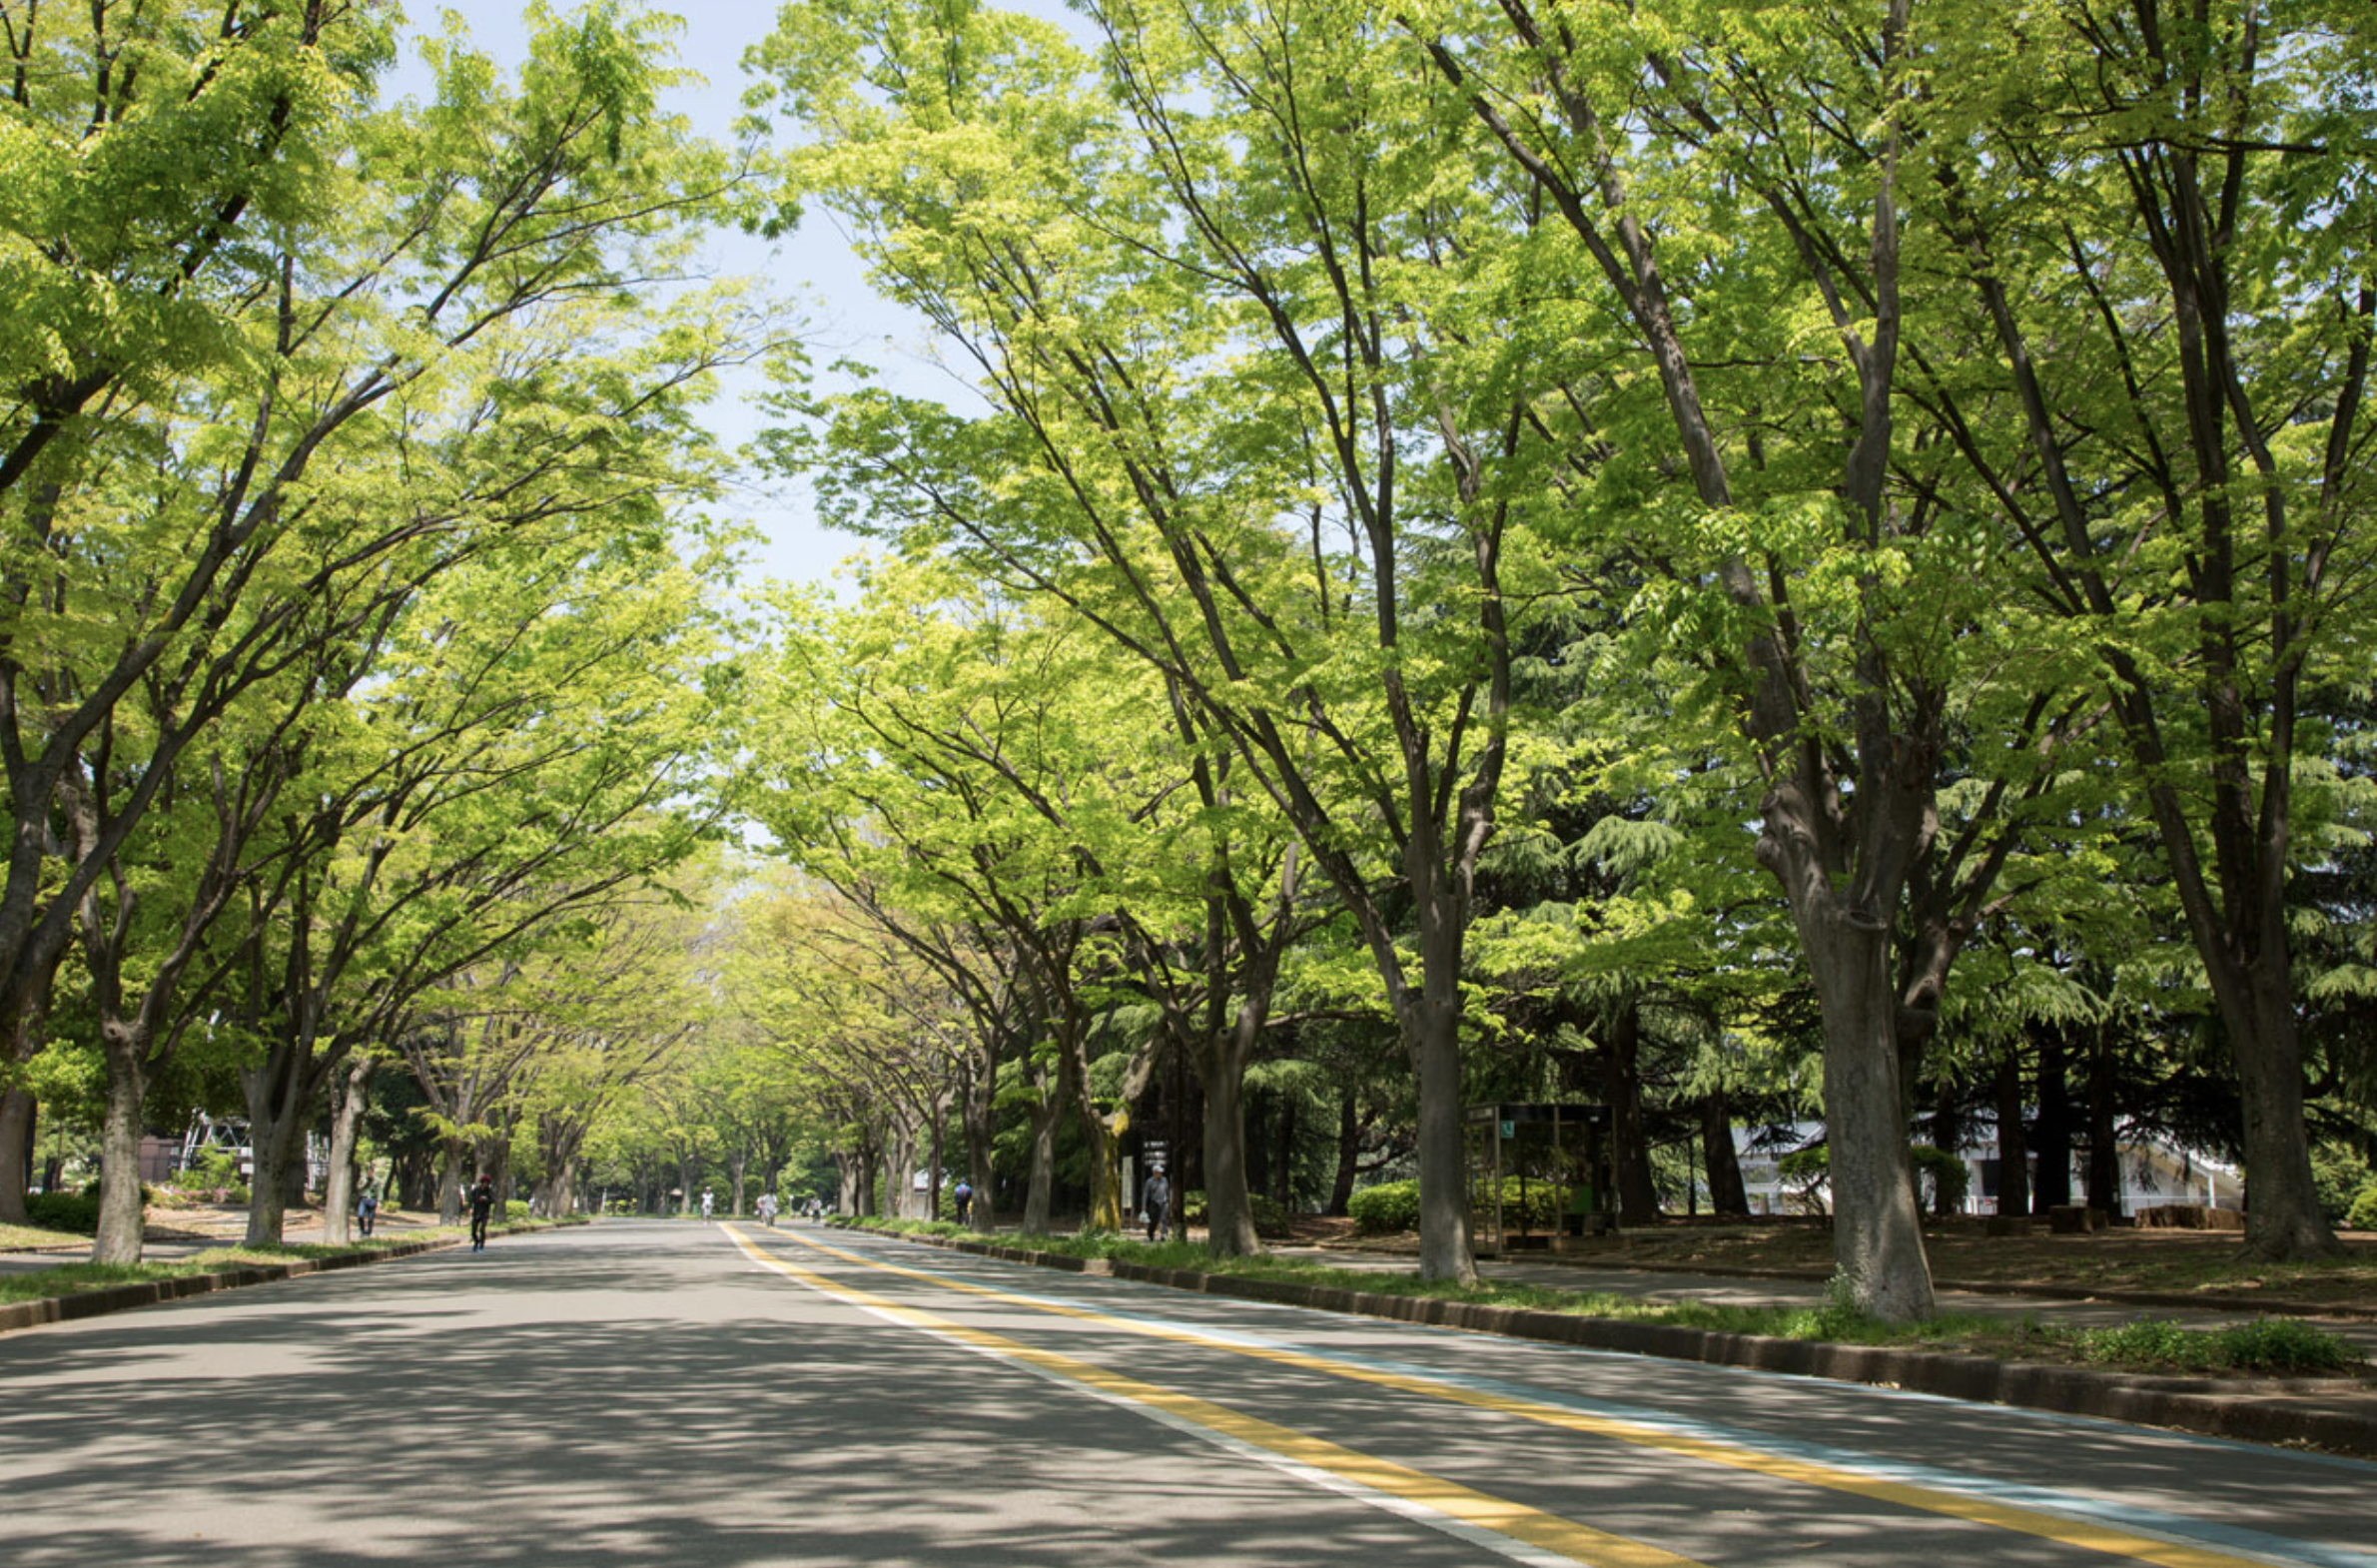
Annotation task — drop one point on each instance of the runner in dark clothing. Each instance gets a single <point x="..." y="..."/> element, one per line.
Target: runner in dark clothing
<point x="482" y="1204"/>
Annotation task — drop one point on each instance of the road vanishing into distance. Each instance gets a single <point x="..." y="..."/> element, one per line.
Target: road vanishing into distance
<point x="647" y="1392"/>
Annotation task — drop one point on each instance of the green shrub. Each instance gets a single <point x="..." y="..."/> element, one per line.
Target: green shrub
<point x="1950" y="1175"/>
<point x="2267" y="1345"/>
<point x="1385" y="1209"/>
<point x="1269" y="1218"/>
<point x="2363" y="1213"/>
<point x="75" y="1212"/>
<point x="516" y="1208"/>
<point x="1533" y="1205"/>
<point x="2338" y="1176"/>
<point x="2285" y="1345"/>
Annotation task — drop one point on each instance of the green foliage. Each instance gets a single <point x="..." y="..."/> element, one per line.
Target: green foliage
<point x="2362" y="1215"/>
<point x="1950" y="1175"/>
<point x="1387" y="1208"/>
<point x="1270" y="1219"/>
<point x="2339" y="1175"/>
<point x="75" y="1212"/>
<point x="2267" y="1345"/>
<point x="213" y="1177"/>
<point x="516" y="1208"/>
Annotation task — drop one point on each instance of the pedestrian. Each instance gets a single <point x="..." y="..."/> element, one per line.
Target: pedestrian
<point x="767" y="1209"/>
<point x="705" y="1203"/>
<point x="482" y="1204"/>
<point x="1157" y="1197"/>
<point x="965" y="1198"/>
<point x="366" y="1207"/>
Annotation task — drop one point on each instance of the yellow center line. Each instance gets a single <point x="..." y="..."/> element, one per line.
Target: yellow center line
<point x="2086" y="1534"/>
<point x="1543" y="1531"/>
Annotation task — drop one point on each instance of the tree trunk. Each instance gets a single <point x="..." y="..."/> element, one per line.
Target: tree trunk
<point x="1622" y="1088"/>
<point x="2105" y="1155"/>
<point x="450" y="1180"/>
<point x="1877" y="1230"/>
<point x="2283" y="1221"/>
<point x="1044" y="1111"/>
<point x="337" y="1189"/>
<point x="975" y="1111"/>
<point x="1221" y="1069"/>
<point x="278" y="1137"/>
<point x="16" y="1153"/>
<point x="1947" y="1136"/>
<point x="2014" y="1153"/>
<point x="1284" y="1169"/>
<point x="1433" y="1032"/>
<point x="1728" y="1193"/>
<point x="2051" y="1141"/>
<point x="936" y="1134"/>
<point x="120" y="1209"/>
<point x="1349" y="1152"/>
<point x="735" y="1166"/>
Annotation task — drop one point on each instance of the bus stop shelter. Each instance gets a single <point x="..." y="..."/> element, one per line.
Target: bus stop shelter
<point x="1538" y="1174"/>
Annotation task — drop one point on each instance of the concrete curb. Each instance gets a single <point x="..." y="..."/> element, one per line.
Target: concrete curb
<point x="148" y="1292"/>
<point x="2305" y="1411"/>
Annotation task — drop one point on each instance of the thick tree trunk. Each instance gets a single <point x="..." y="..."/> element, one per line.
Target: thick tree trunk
<point x="1622" y="1088"/>
<point x="278" y="1140"/>
<point x="120" y="1211"/>
<point x="1222" y="1068"/>
<point x="16" y="1153"/>
<point x="338" y="1188"/>
<point x="1728" y="1193"/>
<point x="2013" y="1150"/>
<point x="735" y="1166"/>
<point x="1433" y="1033"/>
<point x="1877" y="1230"/>
<point x="2282" y="1215"/>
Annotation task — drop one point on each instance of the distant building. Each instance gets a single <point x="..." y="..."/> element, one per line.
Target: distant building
<point x="2153" y="1172"/>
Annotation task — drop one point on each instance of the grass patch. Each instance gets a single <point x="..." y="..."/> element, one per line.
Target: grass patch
<point x="2267" y="1345"/>
<point x="20" y="1239"/>
<point x="76" y="1279"/>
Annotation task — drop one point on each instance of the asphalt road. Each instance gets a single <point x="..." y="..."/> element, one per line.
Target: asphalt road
<point x="658" y="1393"/>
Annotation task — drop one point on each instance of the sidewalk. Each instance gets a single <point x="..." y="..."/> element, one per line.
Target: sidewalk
<point x="174" y="1238"/>
<point x="1718" y="1289"/>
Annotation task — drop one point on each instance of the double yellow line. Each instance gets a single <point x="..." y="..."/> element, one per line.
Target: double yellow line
<point x="1539" y="1530"/>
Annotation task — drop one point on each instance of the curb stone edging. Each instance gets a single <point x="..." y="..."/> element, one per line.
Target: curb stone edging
<point x="2260" y="1411"/>
<point x="149" y="1292"/>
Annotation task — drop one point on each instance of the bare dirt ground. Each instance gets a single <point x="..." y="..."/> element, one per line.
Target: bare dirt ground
<point x="2210" y="1264"/>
